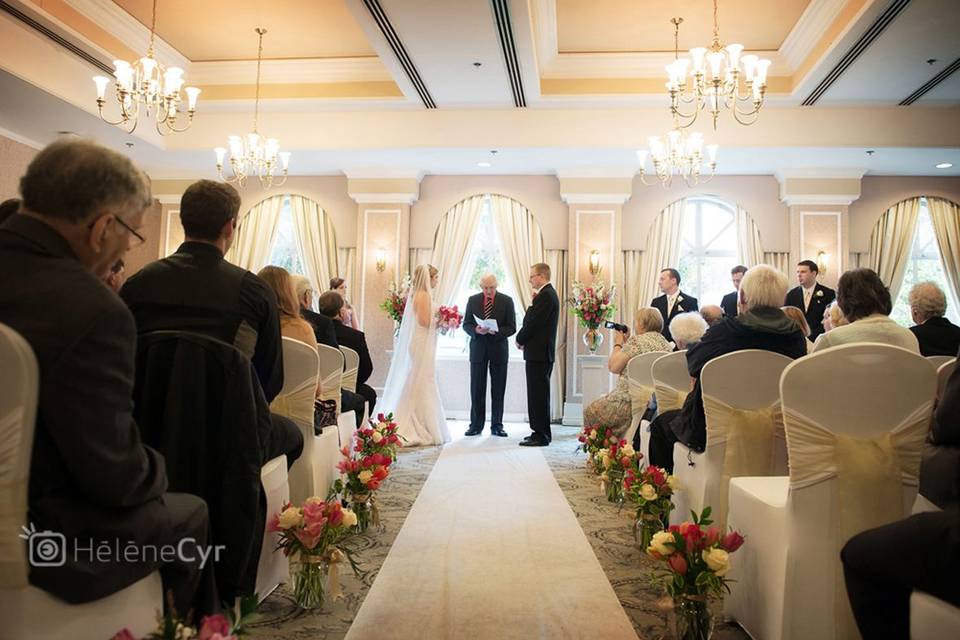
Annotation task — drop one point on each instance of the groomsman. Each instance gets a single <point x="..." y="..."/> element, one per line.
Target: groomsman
<point x="537" y="337"/>
<point x="488" y="350"/>
<point x="673" y="301"/>
<point x="729" y="302"/>
<point x="811" y="296"/>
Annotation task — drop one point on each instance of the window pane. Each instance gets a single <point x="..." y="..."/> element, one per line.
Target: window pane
<point x="708" y="250"/>
<point x="285" y="252"/>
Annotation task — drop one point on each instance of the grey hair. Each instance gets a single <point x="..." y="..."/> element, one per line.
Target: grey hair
<point x="488" y="276"/>
<point x="928" y="300"/>
<point x="688" y="327"/>
<point x="301" y="285"/>
<point x="763" y="286"/>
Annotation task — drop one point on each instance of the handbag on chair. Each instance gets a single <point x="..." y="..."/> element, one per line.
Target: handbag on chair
<point x="325" y="414"/>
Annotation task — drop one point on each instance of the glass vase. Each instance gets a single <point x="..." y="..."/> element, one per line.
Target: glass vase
<point x="360" y="504"/>
<point x="309" y="576"/>
<point x="614" y="488"/>
<point x="645" y="526"/>
<point x="592" y="339"/>
<point x="691" y="618"/>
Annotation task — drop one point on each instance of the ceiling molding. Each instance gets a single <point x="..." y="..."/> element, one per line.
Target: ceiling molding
<point x="805" y="35"/>
<point x="501" y="12"/>
<point x="16" y="137"/>
<point x="168" y="198"/>
<point x="303" y="70"/>
<point x="863" y="42"/>
<point x="595" y="198"/>
<point x="384" y="198"/>
<point x="931" y="83"/>
<point x="813" y="173"/>
<point x="840" y="199"/>
<point x="396" y="45"/>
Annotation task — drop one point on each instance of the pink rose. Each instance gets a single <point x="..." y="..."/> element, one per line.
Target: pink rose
<point x="732" y="541"/>
<point x="213" y="626"/>
<point x="712" y="537"/>
<point x="678" y="563"/>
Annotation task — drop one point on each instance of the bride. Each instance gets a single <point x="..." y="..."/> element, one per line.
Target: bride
<point x="411" y="391"/>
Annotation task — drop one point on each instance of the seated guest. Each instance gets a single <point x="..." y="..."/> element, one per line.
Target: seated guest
<point x="832" y="318"/>
<point x="333" y="307"/>
<point x="937" y="335"/>
<point x="866" y="306"/>
<point x="687" y="328"/>
<point x="760" y="325"/>
<point x="91" y="477"/>
<point x="800" y="320"/>
<point x="673" y="301"/>
<point x="8" y="208"/>
<point x="196" y="290"/>
<point x="116" y="277"/>
<point x="940" y="466"/>
<point x="322" y="325"/>
<point x="340" y="286"/>
<point x="614" y="409"/>
<point x="711" y="313"/>
<point x="292" y="324"/>
<point x="729" y="301"/>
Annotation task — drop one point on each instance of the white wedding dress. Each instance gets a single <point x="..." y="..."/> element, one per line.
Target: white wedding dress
<point x="411" y="392"/>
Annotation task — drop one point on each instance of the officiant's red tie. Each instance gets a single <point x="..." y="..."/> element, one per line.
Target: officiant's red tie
<point x="487" y="307"/>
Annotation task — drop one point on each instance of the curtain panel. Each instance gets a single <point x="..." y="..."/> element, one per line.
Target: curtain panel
<point x="892" y="241"/>
<point x="630" y="299"/>
<point x="945" y="216"/>
<point x="256" y="234"/>
<point x="749" y="248"/>
<point x="316" y="240"/>
<point x="452" y="243"/>
<point x="663" y="249"/>
<point x="779" y="260"/>
<point x="522" y="243"/>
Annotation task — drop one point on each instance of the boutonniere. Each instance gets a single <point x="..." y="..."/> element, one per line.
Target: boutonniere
<point x="679" y="299"/>
<point x="819" y="293"/>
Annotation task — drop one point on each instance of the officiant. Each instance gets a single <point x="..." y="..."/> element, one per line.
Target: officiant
<point x="489" y="320"/>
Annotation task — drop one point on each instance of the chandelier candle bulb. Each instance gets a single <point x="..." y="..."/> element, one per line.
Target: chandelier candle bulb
<point x="192" y="94"/>
<point x="221" y="154"/>
<point x="101" y="82"/>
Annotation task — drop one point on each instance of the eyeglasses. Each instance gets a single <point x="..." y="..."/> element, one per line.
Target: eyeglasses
<point x="139" y="239"/>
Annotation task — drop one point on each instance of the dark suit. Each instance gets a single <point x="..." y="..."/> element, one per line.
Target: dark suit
<point x="683" y="304"/>
<point x="323" y="327"/>
<point x="353" y="339"/>
<point x="538" y="337"/>
<point x="729" y="304"/>
<point x="937" y="337"/>
<point x="489" y="351"/>
<point x="822" y="296"/>
<point x="91" y="477"/>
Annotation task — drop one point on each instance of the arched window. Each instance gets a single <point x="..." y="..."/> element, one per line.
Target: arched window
<point x="285" y="252"/>
<point x="708" y="249"/>
<point x="924" y="264"/>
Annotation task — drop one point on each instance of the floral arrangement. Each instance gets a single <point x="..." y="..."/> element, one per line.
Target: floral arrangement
<point x="396" y="300"/>
<point x="360" y="476"/>
<point x="697" y="559"/>
<point x="651" y="489"/>
<point x="216" y="627"/>
<point x="380" y="437"/>
<point x="310" y="533"/>
<point x="616" y="460"/>
<point x="592" y="438"/>
<point x="449" y="319"/>
<point x="592" y="304"/>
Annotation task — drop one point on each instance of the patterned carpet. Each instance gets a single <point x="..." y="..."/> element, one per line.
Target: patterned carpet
<point x="608" y="531"/>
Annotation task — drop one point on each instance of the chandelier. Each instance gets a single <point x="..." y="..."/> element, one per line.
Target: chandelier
<point x="679" y="154"/>
<point x="254" y="155"/>
<point x="146" y="84"/>
<point x="717" y="80"/>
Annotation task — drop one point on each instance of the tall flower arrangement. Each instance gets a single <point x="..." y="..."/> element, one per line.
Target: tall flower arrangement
<point x="396" y="300"/>
<point x="360" y="477"/>
<point x="592" y="305"/>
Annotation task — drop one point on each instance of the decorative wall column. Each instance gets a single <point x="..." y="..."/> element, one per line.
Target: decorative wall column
<point x="383" y="234"/>
<point x="819" y="204"/>
<point x="596" y="210"/>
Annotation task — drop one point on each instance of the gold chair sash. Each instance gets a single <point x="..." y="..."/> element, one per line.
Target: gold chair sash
<point x="349" y="380"/>
<point x="330" y="389"/>
<point x="870" y="475"/>
<point x="749" y="436"/>
<point x="13" y="504"/>
<point x="640" y="395"/>
<point x="298" y="403"/>
<point x="669" y="398"/>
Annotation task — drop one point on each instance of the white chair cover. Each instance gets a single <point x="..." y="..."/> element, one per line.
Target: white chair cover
<point x="671" y="380"/>
<point x="331" y="373"/>
<point x="273" y="567"/>
<point x="352" y="363"/>
<point x="938" y="361"/>
<point x="855" y="418"/>
<point x="640" y="383"/>
<point x="932" y="618"/>
<point x="295" y="401"/>
<point x="944" y="371"/>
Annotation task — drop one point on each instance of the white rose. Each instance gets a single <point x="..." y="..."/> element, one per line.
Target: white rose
<point x="718" y="560"/>
<point x="377" y="436"/>
<point x="662" y="543"/>
<point x="627" y="450"/>
<point x="673" y="483"/>
<point x="593" y="435"/>
<point x="365" y="476"/>
<point x="291" y="517"/>
<point x="349" y="518"/>
<point x="648" y="492"/>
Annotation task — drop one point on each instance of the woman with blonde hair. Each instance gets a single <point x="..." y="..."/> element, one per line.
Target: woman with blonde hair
<point x="292" y="324"/>
<point x="614" y="409"/>
<point x="800" y="320"/>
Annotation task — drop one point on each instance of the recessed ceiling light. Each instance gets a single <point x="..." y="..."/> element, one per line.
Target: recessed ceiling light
<point x="483" y="164"/>
<point x="944" y="165"/>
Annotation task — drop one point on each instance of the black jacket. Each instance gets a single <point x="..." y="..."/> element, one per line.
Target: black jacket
<point x="90" y="474"/>
<point x="198" y="403"/>
<point x="937" y="337"/>
<point x="729" y="304"/>
<point x="761" y="328"/>
<point x="940" y="467"/>
<point x="538" y="334"/>
<point x="822" y="296"/>
<point x="685" y="303"/>
<point x="323" y="327"/>
<point x="353" y="339"/>
<point x="492" y="347"/>
<point x="196" y="290"/>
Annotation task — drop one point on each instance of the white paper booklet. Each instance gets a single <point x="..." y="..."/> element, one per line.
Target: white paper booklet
<point x="489" y="324"/>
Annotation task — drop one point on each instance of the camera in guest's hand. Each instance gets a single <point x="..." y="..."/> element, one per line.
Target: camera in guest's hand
<point x="622" y="328"/>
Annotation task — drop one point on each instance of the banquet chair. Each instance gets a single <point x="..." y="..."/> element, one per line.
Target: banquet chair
<point x="331" y="376"/>
<point x="295" y="401"/>
<point x="855" y="418"/>
<point x="273" y="567"/>
<point x="940" y="463"/>
<point x="944" y="371"/>
<point x="640" y="382"/>
<point x="25" y="610"/>
<point x="671" y="380"/>
<point x="352" y="366"/>
<point x="938" y="361"/>
<point x="741" y="400"/>
<point x="932" y="619"/>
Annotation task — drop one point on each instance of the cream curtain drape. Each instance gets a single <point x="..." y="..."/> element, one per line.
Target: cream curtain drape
<point x="452" y="244"/>
<point x="522" y="243"/>
<point x="749" y="249"/>
<point x="256" y="234"/>
<point x="347" y="261"/>
<point x="858" y="259"/>
<point x="316" y="240"/>
<point x="945" y="216"/>
<point x="663" y="249"/>
<point x="629" y="292"/>
<point x="557" y="259"/>
<point x="421" y="255"/>
<point x="891" y="242"/>
<point x="779" y="260"/>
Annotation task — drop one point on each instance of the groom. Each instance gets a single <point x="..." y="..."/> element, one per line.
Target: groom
<point x="491" y="349"/>
<point x="537" y="337"/>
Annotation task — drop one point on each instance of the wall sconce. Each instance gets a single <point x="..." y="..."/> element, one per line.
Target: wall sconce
<point x="822" y="258"/>
<point x="381" y="260"/>
<point x="594" y="262"/>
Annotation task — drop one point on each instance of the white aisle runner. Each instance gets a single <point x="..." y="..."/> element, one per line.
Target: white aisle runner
<point x="492" y="550"/>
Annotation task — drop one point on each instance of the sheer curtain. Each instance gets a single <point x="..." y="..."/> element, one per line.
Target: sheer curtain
<point x="316" y="241"/>
<point x="749" y="249"/>
<point x="779" y="260"/>
<point x="420" y="255"/>
<point x="522" y="243"/>
<point x="892" y="241"/>
<point x="347" y="261"/>
<point x="255" y="236"/>
<point x="557" y="259"/>
<point x="452" y="244"/>
<point x="630" y="291"/>
<point x="663" y="249"/>
<point x="945" y="216"/>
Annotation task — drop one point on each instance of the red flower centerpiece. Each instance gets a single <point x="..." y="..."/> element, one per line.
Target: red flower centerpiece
<point x="396" y="301"/>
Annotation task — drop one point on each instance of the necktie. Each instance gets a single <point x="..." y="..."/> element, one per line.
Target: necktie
<point x="487" y="307"/>
<point x="807" y="294"/>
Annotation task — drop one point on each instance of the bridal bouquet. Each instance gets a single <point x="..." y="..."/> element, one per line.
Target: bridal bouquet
<point x="360" y="477"/>
<point x="380" y="437"/>
<point x="449" y="319"/>
<point x="396" y="300"/>
<point x="310" y="533"/>
<point x="650" y="488"/>
<point x="697" y="560"/>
